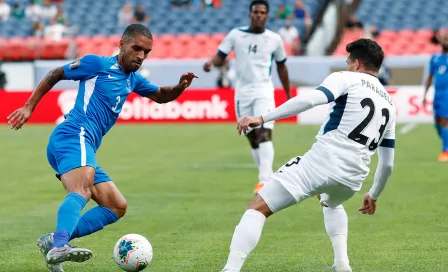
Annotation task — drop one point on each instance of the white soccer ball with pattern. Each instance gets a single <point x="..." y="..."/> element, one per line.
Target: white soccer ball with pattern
<point x="133" y="252"/>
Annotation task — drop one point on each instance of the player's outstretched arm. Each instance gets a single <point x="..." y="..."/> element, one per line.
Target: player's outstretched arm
<point x="216" y="60"/>
<point x="21" y="115"/>
<point x="382" y="175"/>
<point x="167" y="94"/>
<point x="282" y="71"/>
<point x="302" y="102"/>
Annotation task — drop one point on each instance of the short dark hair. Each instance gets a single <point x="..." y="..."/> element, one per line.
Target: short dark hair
<point x="368" y="52"/>
<point x="259" y="2"/>
<point x="136" y="29"/>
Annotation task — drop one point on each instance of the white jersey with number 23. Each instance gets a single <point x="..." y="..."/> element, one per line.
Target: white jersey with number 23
<point x="362" y="118"/>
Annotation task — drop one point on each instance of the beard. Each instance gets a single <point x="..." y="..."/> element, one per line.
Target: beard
<point x="445" y="47"/>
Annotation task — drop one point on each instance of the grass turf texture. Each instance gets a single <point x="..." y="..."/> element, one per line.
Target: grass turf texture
<point x="188" y="185"/>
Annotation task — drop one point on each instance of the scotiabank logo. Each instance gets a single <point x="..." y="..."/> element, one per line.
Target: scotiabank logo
<point x="191" y="106"/>
<point x="138" y="108"/>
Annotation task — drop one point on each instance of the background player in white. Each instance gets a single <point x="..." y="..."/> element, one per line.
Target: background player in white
<point x="362" y="121"/>
<point x="255" y="48"/>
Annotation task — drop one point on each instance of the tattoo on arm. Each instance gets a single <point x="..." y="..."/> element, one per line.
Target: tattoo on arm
<point x="54" y="76"/>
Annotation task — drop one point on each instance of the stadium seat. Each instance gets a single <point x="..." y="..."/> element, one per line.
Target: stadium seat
<point x="184" y="40"/>
<point x="114" y="39"/>
<point x="389" y="34"/>
<point x="167" y="39"/>
<point x="99" y="40"/>
<point x="202" y="38"/>
<point x="3" y="48"/>
<point x="425" y="34"/>
<point x="15" y="49"/>
<point x="159" y="52"/>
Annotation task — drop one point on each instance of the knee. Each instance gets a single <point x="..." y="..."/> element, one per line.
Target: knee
<point x="265" y="135"/>
<point x="83" y="189"/>
<point x="120" y="208"/>
<point x="79" y="181"/>
<point x="253" y="139"/>
<point x="260" y="205"/>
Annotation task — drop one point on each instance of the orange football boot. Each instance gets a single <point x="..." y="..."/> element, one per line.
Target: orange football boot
<point x="443" y="157"/>
<point x="258" y="187"/>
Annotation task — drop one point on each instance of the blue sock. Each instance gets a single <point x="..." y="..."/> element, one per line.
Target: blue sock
<point x="445" y="138"/>
<point x="68" y="216"/>
<point x="94" y="220"/>
<point x="439" y="129"/>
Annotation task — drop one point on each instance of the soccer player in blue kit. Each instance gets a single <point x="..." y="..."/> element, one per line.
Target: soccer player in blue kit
<point x="105" y="83"/>
<point x="438" y="70"/>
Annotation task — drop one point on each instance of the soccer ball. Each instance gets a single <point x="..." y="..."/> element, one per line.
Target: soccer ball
<point x="133" y="252"/>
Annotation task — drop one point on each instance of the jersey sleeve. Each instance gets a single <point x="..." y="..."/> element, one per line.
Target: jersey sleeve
<point x="84" y="68"/>
<point x="144" y="87"/>
<point x="432" y="65"/>
<point x="280" y="52"/>
<point x="389" y="135"/>
<point x="334" y="86"/>
<point x="227" y="44"/>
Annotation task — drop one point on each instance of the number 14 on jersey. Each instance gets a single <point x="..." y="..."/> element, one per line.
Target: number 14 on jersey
<point x="252" y="48"/>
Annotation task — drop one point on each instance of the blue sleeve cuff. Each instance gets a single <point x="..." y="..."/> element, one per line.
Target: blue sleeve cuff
<point x="281" y="62"/>
<point x="390" y="143"/>
<point x="327" y="93"/>
<point x="222" y="54"/>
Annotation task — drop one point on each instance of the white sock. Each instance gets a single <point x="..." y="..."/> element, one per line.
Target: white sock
<point x="256" y="155"/>
<point x="336" y="224"/>
<point x="245" y="239"/>
<point x="266" y="151"/>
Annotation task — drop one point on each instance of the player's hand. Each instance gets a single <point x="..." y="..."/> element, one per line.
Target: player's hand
<point x="186" y="79"/>
<point x="424" y="102"/>
<point x="208" y="66"/>
<point x="247" y="122"/>
<point x="19" y="117"/>
<point x="368" y="205"/>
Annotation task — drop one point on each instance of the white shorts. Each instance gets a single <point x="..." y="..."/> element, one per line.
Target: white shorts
<point x="255" y="107"/>
<point x="296" y="181"/>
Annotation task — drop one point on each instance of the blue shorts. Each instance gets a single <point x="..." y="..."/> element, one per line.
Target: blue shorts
<point x="440" y="108"/>
<point x="440" y="104"/>
<point x="68" y="148"/>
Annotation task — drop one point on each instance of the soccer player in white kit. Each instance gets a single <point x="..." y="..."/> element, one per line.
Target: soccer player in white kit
<point x="362" y="121"/>
<point x="255" y="48"/>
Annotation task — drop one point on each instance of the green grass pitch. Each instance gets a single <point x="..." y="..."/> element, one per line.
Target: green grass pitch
<point x="188" y="185"/>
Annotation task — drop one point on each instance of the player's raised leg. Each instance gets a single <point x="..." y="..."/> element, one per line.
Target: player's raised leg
<point x="111" y="206"/>
<point x="77" y="183"/>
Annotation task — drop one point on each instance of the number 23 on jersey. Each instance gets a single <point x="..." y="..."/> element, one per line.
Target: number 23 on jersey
<point x="357" y="136"/>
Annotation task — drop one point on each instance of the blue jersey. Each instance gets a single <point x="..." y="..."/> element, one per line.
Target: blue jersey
<point x="438" y="67"/>
<point x="103" y="89"/>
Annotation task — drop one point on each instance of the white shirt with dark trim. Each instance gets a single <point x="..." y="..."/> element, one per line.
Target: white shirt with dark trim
<point x="255" y="54"/>
<point x="362" y="118"/>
